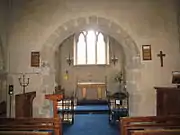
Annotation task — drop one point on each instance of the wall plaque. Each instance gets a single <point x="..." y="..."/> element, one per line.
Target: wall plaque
<point x="146" y="52"/>
<point x="35" y="59"/>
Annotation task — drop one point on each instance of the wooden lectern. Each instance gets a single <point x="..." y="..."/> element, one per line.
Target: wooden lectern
<point x="54" y="98"/>
<point x="24" y="104"/>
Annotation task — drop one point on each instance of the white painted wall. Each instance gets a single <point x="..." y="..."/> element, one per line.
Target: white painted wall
<point x="37" y="24"/>
<point x="94" y="73"/>
<point x="3" y="47"/>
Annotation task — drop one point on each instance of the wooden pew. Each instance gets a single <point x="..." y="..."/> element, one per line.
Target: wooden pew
<point x="156" y="132"/>
<point x="128" y="124"/>
<point x="31" y="125"/>
<point x="24" y="133"/>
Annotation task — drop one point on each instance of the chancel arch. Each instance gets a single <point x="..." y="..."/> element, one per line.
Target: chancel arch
<point x="63" y="33"/>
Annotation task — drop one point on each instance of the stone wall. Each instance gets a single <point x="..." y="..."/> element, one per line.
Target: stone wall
<point x="4" y="14"/>
<point x="43" y="25"/>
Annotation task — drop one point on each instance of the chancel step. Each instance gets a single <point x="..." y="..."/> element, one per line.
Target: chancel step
<point x="92" y="102"/>
<point x="91" y="109"/>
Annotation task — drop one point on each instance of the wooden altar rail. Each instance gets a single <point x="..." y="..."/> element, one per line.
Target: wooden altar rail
<point x="128" y="124"/>
<point x="30" y="125"/>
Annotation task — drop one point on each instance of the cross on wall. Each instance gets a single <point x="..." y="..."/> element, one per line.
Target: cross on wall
<point x="161" y="55"/>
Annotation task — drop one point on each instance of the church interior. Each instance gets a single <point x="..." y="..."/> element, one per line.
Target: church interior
<point x="89" y="67"/>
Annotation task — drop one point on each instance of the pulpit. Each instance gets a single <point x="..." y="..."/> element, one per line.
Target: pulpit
<point x="54" y="98"/>
<point x="24" y="104"/>
<point x="3" y="108"/>
<point x="168" y="101"/>
<point x="97" y="86"/>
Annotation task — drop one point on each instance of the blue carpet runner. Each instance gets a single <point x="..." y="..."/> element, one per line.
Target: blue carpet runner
<point x="91" y="123"/>
<point x="92" y="108"/>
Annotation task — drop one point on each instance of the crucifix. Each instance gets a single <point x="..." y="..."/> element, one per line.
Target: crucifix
<point x="114" y="59"/>
<point x="161" y="55"/>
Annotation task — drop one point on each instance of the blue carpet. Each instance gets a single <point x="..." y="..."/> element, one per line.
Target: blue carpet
<point x="89" y="108"/>
<point x="92" y="107"/>
<point x="91" y="124"/>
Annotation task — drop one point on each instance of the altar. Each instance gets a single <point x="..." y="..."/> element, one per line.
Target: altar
<point x="91" y="90"/>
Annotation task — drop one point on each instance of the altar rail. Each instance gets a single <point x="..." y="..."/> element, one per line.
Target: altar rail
<point x="47" y="125"/>
<point x="129" y="124"/>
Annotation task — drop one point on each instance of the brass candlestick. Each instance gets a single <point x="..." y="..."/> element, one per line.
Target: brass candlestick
<point x="24" y="82"/>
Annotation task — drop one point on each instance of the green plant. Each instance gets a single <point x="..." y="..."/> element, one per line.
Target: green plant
<point x="119" y="77"/>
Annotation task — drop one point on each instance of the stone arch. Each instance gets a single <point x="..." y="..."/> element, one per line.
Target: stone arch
<point x="107" y="26"/>
<point x="130" y="48"/>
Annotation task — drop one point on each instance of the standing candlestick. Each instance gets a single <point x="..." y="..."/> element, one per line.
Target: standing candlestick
<point x="24" y="82"/>
<point x="69" y="60"/>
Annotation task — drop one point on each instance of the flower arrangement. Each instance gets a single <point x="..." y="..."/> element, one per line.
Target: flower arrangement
<point x="119" y="77"/>
<point x="122" y="93"/>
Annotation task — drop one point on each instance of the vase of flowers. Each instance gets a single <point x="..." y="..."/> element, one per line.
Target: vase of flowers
<point x="119" y="77"/>
<point x="121" y="85"/>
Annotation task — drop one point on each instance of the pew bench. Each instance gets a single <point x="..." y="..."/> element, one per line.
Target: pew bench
<point x="129" y="124"/>
<point x="156" y="132"/>
<point x="24" y="133"/>
<point x="39" y="125"/>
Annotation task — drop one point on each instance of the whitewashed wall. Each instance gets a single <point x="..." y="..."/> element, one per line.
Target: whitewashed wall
<point x="42" y="26"/>
<point x="3" y="47"/>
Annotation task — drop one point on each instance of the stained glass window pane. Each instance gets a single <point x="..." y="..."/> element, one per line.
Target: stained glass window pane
<point x="91" y="47"/>
<point x="101" y="50"/>
<point x="81" y="50"/>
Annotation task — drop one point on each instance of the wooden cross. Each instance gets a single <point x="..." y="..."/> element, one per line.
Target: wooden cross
<point x="114" y="59"/>
<point x="161" y="55"/>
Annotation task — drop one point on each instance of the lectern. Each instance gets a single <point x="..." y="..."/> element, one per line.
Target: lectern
<point x="24" y="104"/>
<point x="54" y="98"/>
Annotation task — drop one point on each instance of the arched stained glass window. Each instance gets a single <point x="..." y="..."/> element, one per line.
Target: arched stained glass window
<point x="91" y="48"/>
<point x="81" y="46"/>
<point x="101" y="49"/>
